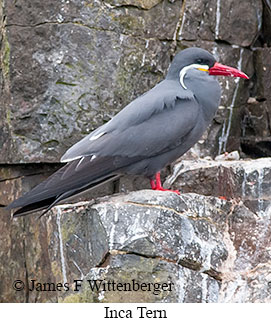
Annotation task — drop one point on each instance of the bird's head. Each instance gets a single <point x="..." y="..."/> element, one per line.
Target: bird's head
<point x="202" y="60"/>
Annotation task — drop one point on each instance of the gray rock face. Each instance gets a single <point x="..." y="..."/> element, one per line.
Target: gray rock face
<point x="203" y="249"/>
<point x="66" y="67"/>
<point x="256" y="132"/>
<point x="247" y="185"/>
<point x="68" y="70"/>
<point x="244" y="180"/>
<point x="83" y="71"/>
<point x="235" y="23"/>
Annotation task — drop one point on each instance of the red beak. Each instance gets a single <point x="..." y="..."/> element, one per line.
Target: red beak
<point x="219" y="69"/>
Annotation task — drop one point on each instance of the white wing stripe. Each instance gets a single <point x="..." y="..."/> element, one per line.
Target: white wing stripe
<point x="70" y="159"/>
<point x="97" y="136"/>
<point x="80" y="161"/>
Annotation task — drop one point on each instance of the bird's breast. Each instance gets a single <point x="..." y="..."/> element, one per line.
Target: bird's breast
<point x="206" y="91"/>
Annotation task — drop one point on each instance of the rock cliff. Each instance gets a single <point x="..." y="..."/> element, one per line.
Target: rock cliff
<point x="67" y="67"/>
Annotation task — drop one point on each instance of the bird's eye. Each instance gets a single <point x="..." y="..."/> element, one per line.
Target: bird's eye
<point x="199" y="61"/>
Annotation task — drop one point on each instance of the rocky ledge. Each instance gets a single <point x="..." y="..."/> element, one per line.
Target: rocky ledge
<point x="149" y="246"/>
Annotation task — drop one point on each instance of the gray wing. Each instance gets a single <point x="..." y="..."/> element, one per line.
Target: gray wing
<point x="150" y="125"/>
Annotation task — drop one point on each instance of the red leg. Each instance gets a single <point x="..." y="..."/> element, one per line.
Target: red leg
<point x="159" y="186"/>
<point x="153" y="185"/>
<point x="156" y="185"/>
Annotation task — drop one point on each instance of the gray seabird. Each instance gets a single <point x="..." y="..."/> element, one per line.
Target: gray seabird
<point x="149" y="133"/>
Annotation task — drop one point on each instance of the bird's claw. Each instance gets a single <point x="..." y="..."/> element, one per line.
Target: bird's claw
<point x="165" y="190"/>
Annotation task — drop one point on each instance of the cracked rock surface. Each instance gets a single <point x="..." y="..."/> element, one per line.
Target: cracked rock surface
<point x="207" y="248"/>
<point x="66" y="67"/>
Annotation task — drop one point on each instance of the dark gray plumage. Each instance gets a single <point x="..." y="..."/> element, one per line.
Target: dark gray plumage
<point x="149" y="133"/>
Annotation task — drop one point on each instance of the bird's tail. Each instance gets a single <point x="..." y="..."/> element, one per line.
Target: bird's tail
<point x="47" y="204"/>
<point x="72" y="179"/>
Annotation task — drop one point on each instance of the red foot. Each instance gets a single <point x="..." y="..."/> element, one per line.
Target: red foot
<point x="223" y="198"/>
<point x="157" y="186"/>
